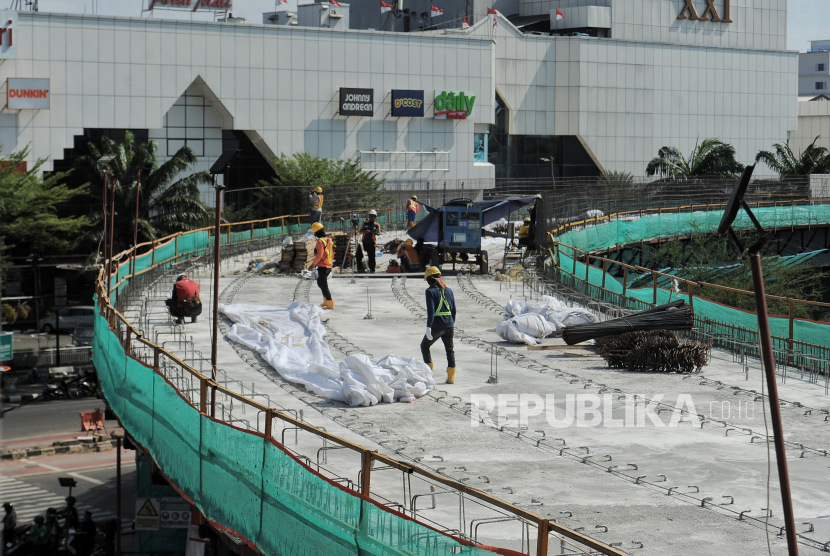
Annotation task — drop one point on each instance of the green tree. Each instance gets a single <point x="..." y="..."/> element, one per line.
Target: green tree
<point x="346" y="186"/>
<point x="711" y="157"/>
<point x="29" y="207"/>
<point x="169" y="198"/>
<point x="710" y="259"/>
<point x="812" y="160"/>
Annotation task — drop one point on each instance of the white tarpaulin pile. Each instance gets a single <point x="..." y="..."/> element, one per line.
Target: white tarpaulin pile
<point x="525" y="329"/>
<point x="290" y="339"/>
<point x="522" y="320"/>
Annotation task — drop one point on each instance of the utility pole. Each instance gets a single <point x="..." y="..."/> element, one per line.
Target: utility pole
<point x="553" y="183"/>
<point x="219" y="167"/>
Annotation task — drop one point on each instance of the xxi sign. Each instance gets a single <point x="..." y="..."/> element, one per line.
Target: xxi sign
<point x="689" y="8"/>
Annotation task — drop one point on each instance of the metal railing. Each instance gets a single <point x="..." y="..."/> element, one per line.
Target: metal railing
<point x="806" y="357"/>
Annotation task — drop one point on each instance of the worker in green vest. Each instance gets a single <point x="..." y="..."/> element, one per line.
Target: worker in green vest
<point x="440" y="304"/>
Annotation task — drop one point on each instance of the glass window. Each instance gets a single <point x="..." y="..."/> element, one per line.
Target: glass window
<point x="480" y="148"/>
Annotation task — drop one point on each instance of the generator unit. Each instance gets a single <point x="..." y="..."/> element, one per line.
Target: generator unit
<point x="459" y="235"/>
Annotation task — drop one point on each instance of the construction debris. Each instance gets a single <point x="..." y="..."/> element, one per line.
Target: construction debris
<point x="654" y="351"/>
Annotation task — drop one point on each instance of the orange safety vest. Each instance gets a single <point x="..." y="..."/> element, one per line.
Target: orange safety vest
<point x="410" y="254"/>
<point x="318" y="204"/>
<point x="325" y="252"/>
<point x="412" y="205"/>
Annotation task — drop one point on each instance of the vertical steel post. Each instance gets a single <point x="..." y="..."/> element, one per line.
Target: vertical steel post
<point x="106" y="186"/>
<point x="542" y="538"/>
<point x="118" y="495"/>
<point x="366" y="472"/>
<point x="112" y="235"/>
<point x="775" y="406"/>
<point x="216" y="260"/>
<point x="135" y="228"/>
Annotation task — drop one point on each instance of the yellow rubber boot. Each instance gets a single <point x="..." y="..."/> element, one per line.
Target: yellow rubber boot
<point x="450" y="375"/>
<point x="323" y="304"/>
<point x="431" y="366"/>
<point x="328" y="304"/>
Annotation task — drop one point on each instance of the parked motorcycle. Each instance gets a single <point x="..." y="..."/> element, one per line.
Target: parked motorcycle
<point x="59" y="390"/>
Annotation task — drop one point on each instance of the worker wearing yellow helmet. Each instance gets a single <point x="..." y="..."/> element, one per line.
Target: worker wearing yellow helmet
<point x="315" y="196"/>
<point x="411" y="211"/>
<point x="524" y="233"/>
<point x="440" y="304"/>
<point x="323" y="260"/>
<point x="409" y="257"/>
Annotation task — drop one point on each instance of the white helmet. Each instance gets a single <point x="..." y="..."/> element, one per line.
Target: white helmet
<point x="373" y="212"/>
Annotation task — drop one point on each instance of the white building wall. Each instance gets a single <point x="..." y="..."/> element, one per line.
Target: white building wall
<point x="627" y="99"/>
<point x="813" y="121"/>
<point x="755" y="25"/>
<point x="279" y="83"/>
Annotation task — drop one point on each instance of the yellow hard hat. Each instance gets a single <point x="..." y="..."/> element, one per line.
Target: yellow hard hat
<point x="319" y="189"/>
<point x="432" y="271"/>
<point x="409" y="241"/>
<point x="415" y="197"/>
<point x="316" y="227"/>
<point x="527" y="219"/>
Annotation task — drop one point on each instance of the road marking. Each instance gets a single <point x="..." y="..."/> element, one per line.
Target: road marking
<point x="30" y="501"/>
<point x="58" y="469"/>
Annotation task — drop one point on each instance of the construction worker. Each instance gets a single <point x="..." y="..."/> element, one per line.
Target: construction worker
<point x="370" y="231"/>
<point x="411" y="211"/>
<point x="409" y="257"/>
<point x="316" y="198"/>
<point x="185" y="300"/>
<point x="440" y="320"/>
<point x="323" y="260"/>
<point x="524" y="234"/>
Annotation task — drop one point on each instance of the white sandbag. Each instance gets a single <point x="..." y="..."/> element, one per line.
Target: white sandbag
<point x="556" y="313"/>
<point x="525" y="329"/>
<point x="290" y="339"/>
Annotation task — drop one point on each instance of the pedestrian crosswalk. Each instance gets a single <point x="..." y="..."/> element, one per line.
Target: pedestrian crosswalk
<point x="30" y="501"/>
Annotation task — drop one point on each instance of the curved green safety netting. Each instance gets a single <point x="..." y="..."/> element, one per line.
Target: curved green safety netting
<point x="248" y="483"/>
<point x="621" y="232"/>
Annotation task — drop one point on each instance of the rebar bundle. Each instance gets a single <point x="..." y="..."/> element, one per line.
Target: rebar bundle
<point x="671" y="316"/>
<point x="654" y="351"/>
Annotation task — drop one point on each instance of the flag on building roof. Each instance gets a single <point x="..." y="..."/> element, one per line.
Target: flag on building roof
<point x="464" y="24"/>
<point x="336" y="3"/>
<point x="559" y="15"/>
<point x="494" y="13"/>
<point x="435" y="12"/>
<point x="384" y="7"/>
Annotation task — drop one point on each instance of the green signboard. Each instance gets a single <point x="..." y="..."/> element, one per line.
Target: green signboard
<point x="6" y="350"/>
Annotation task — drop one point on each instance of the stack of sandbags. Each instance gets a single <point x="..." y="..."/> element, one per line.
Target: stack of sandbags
<point x="552" y="310"/>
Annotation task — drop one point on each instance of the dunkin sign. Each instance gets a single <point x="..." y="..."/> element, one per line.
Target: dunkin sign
<point x="27" y="94"/>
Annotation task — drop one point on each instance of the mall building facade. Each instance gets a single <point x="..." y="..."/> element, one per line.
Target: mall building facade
<point x="449" y="105"/>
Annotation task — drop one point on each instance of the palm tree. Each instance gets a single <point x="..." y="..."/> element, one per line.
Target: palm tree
<point x="712" y="157"/>
<point x="813" y="160"/>
<point x="167" y="202"/>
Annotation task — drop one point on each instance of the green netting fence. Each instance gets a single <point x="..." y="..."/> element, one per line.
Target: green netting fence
<point x="621" y="232"/>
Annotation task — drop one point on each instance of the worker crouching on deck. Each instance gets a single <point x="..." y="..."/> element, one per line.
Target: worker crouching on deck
<point x="440" y="320"/>
<point x="323" y="260"/>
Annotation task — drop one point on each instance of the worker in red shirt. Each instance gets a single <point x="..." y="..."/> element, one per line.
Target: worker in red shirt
<point x="185" y="300"/>
<point x="411" y="211"/>
<point x="323" y="260"/>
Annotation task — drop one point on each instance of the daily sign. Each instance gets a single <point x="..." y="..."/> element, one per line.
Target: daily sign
<point x="357" y="102"/>
<point x="453" y="106"/>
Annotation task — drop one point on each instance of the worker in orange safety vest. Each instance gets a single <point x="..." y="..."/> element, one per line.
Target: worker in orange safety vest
<point x="323" y="260"/>
<point x="409" y="257"/>
<point x="411" y="211"/>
